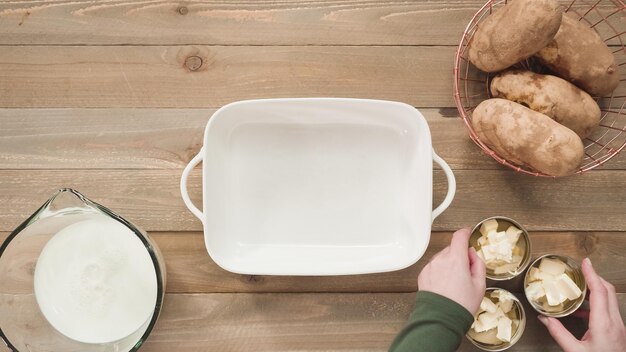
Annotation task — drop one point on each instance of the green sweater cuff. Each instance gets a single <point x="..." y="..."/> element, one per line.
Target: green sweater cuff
<point x="437" y="324"/>
<point x="442" y="309"/>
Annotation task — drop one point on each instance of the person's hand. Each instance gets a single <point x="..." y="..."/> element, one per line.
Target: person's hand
<point x="456" y="273"/>
<point x="606" y="329"/>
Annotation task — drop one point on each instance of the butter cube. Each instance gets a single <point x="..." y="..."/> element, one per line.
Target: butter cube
<point x="505" y="301"/>
<point x="532" y="274"/>
<point x="506" y="268"/>
<point x="488" y="320"/>
<point x="512" y="234"/>
<point x="489" y="226"/>
<point x="500" y="313"/>
<point x="500" y="293"/>
<point x="506" y="306"/>
<point x="492" y="317"/>
<point x="553" y="267"/>
<point x="477" y="326"/>
<point x="504" y="251"/>
<point x="545" y="277"/>
<point x="567" y="287"/>
<point x="535" y="290"/>
<point x="487" y="305"/>
<point x="496" y="237"/>
<point x="504" y="329"/>
<point x="496" y="248"/>
<point x="553" y="294"/>
<point x="489" y="253"/>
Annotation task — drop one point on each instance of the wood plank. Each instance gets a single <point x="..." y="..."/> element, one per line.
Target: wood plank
<point x="186" y="250"/>
<point x="220" y="22"/>
<point x="151" y="198"/>
<point x="310" y="322"/>
<point x="191" y="270"/>
<point x="123" y="138"/>
<point x="267" y="22"/>
<point x="589" y="202"/>
<point x="157" y="76"/>
<point x="164" y="138"/>
<point x="282" y="322"/>
<point x="212" y="76"/>
<point x="100" y="138"/>
<point x="304" y="322"/>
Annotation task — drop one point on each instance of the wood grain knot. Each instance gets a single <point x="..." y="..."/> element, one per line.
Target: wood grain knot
<point x="193" y="63"/>
<point x="24" y="16"/>
<point x="449" y="112"/>
<point x="254" y="279"/>
<point x="588" y="243"/>
<point x="183" y="10"/>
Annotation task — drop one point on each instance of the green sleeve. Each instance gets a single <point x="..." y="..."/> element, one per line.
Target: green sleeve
<point x="436" y="325"/>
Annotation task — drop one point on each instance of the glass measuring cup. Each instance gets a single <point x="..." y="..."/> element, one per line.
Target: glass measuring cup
<point x="28" y="322"/>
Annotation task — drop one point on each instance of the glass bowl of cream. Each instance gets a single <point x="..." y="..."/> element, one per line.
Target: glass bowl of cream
<point x="75" y="276"/>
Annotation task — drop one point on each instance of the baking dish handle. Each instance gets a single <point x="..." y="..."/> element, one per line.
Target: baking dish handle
<point x="451" y="186"/>
<point x="183" y="185"/>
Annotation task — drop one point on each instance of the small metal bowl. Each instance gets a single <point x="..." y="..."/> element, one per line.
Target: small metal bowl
<point x="515" y="335"/>
<point x="523" y="243"/>
<point x="577" y="276"/>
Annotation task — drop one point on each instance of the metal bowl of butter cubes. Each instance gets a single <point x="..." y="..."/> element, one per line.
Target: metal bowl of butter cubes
<point x="504" y="246"/>
<point x="554" y="285"/>
<point x="499" y="323"/>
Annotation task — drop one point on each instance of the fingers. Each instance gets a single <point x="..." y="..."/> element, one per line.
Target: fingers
<point x="560" y="334"/>
<point x="598" y="296"/>
<point x="477" y="267"/>
<point x="613" y="305"/>
<point x="440" y="253"/>
<point x="460" y="242"/>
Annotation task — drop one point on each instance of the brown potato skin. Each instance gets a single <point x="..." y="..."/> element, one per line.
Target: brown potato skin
<point x="527" y="137"/>
<point x="513" y="33"/>
<point x="550" y="95"/>
<point x="579" y="55"/>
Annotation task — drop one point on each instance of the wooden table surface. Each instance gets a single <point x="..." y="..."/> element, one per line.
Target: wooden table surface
<point x="111" y="98"/>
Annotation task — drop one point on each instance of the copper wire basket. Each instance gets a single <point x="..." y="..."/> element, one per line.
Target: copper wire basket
<point x="471" y="86"/>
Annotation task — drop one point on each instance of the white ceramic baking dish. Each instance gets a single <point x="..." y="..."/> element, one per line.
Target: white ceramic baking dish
<point x="316" y="186"/>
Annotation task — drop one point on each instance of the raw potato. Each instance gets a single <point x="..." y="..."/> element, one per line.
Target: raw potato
<point x="513" y="33"/>
<point x="550" y="95"/>
<point x="527" y="137"/>
<point x="579" y="55"/>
